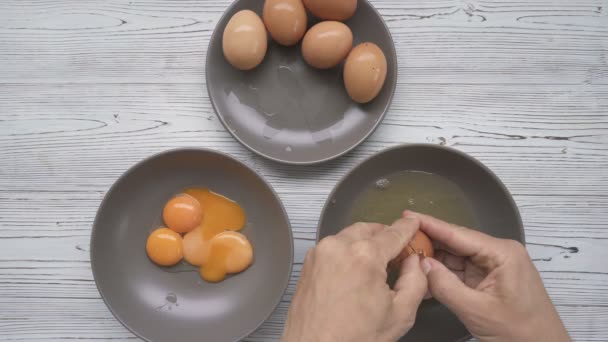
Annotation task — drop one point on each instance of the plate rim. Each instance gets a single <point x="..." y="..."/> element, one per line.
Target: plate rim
<point x="94" y="229"/>
<point x="312" y="162"/>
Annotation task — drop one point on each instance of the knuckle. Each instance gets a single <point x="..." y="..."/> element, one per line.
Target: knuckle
<point x="516" y="247"/>
<point x="439" y="291"/>
<point x="363" y="251"/>
<point x="358" y="225"/>
<point x="397" y="235"/>
<point x="327" y="245"/>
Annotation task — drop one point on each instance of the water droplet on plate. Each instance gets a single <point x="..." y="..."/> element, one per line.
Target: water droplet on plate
<point x="171" y="298"/>
<point x="383" y="183"/>
<point x="288" y="148"/>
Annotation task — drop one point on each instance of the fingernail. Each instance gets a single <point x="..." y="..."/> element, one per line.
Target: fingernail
<point x="426" y="266"/>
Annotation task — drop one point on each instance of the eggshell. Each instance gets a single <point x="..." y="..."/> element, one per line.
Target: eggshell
<point x="285" y="20"/>
<point x="245" y="40"/>
<point x="332" y="9"/>
<point x="326" y="44"/>
<point x="365" y="72"/>
<point x="420" y="244"/>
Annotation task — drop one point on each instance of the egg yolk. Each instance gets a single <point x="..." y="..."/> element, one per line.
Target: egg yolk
<point x="164" y="247"/>
<point x="210" y="223"/>
<point x="183" y="213"/>
<point x="221" y="215"/>
<point x="229" y="252"/>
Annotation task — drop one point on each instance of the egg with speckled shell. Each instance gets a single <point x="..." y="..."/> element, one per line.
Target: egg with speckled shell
<point x="365" y="72"/>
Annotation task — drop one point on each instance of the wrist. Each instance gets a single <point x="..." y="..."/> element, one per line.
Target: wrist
<point x="550" y="329"/>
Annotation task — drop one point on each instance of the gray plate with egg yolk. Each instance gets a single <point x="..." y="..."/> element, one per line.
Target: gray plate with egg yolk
<point x="174" y="303"/>
<point x="493" y="209"/>
<point x="289" y="112"/>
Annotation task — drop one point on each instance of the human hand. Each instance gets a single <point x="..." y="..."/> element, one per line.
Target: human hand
<point x="342" y="294"/>
<point x="490" y="284"/>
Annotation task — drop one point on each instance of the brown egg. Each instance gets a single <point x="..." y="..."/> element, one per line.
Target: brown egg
<point x="365" y="72"/>
<point x="245" y="40"/>
<point x="332" y="9"/>
<point x="285" y="20"/>
<point x="326" y="44"/>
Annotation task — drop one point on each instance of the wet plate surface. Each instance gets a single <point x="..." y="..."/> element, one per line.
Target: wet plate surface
<point x="288" y="111"/>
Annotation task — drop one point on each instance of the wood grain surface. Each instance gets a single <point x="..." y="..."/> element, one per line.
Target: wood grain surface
<point x="89" y="87"/>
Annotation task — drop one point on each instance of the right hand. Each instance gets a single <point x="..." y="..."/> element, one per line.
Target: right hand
<point x="490" y="284"/>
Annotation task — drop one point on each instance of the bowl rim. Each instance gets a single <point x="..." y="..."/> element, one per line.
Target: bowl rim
<point x="146" y="160"/>
<point x="318" y="161"/>
<point x="468" y="157"/>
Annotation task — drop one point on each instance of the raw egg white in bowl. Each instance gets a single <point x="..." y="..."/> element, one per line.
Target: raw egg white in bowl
<point x="431" y="179"/>
<point x="284" y="108"/>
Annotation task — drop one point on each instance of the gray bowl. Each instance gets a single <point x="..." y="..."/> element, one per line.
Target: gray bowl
<point x="289" y="112"/>
<point x="175" y="304"/>
<point x="495" y="210"/>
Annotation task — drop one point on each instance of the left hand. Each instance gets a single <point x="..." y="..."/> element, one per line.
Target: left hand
<point x="342" y="294"/>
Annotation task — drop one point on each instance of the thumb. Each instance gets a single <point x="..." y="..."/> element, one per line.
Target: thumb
<point x="410" y="288"/>
<point x="448" y="289"/>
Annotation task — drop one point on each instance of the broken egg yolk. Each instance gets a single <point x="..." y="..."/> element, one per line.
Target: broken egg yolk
<point x="209" y="222"/>
<point x="220" y="214"/>
<point x="229" y="252"/>
<point x="183" y="213"/>
<point x="164" y="247"/>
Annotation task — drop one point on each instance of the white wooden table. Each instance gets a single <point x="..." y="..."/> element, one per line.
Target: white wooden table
<point x="89" y="87"/>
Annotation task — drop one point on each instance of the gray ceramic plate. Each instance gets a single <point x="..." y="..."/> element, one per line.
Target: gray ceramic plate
<point x="175" y="304"/>
<point x="493" y="206"/>
<point x="289" y="112"/>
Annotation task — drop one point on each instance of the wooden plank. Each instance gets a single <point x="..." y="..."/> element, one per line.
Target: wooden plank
<point x="520" y="85"/>
<point x="437" y="41"/>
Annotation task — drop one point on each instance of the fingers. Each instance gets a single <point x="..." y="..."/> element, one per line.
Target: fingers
<point x="452" y="262"/>
<point x="360" y="231"/>
<point x="482" y="248"/>
<point x="392" y="240"/>
<point x="410" y="288"/>
<point x="411" y="277"/>
<point x="448" y="289"/>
